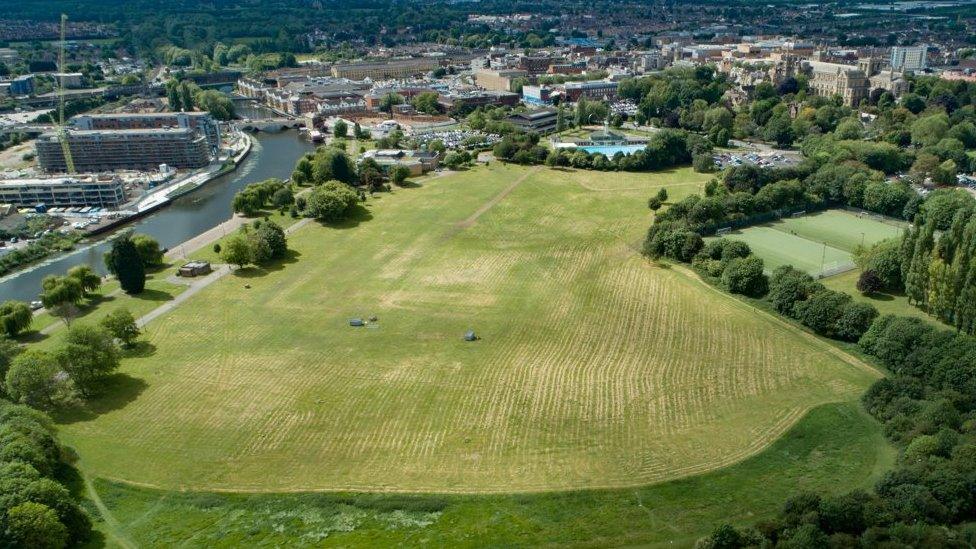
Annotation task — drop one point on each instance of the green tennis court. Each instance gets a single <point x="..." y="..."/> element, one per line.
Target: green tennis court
<point x="777" y="247"/>
<point x="839" y="228"/>
<point x="823" y="241"/>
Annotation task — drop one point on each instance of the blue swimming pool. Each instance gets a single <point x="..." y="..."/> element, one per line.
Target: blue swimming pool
<point x="610" y="150"/>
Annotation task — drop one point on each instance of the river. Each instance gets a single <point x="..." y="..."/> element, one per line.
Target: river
<point x="272" y="155"/>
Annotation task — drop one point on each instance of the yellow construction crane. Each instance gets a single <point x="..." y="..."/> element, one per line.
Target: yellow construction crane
<point x="62" y="129"/>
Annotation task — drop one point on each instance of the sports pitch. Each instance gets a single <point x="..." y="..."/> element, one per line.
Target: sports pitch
<point x="822" y="241"/>
<point x="595" y="367"/>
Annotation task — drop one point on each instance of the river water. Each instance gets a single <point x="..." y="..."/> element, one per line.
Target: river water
<point x="272" y="155"/>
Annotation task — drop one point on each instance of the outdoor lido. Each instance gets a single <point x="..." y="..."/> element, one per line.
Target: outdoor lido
<point x="603" y="141"/>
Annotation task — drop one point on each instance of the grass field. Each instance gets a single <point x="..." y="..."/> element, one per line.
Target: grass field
<point x="836" y="447"/>
<point x="595" y="368"/>
<point x="815" y="242"/>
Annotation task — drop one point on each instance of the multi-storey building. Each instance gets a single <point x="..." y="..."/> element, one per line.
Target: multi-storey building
<point x="399" y="68"/>
<point x="198" y="121"/>
<point x="103" y="192"/>
<point x="108" y="150"/>
<point x="594" y="89"/>
<point x="535" y="64"/>
<point x="908" y="58"/>
<point x="498" y="80"/>
<point x="463" y="101"/>
<point x="537" y="95"/>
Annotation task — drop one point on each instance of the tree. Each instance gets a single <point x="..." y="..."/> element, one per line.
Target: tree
<point x="654" y="203"/>
<point x="370" y="175"/>
<point x="789" y="286"/>
<point x="86" y="277"/>
<point x="883" y="259"/>
<point x="399" y="174"/>
<point x="60" y="295"/>
<point x="187" y="91"/>
<point x="148" y="249"/>
<point x="854" y="320"/>
<point x="273" y="238"/>
<point x="332" y="163"/>
<point x="821" y="310"/>
<point x="913" y="103"/>
<point x="88" y="356"/>
<point x="304" y="172"/>
<point x="282" y="198"/>
<point x="426" y="103"/>
<point x="125" y="262"/>
<point x="945" y="174"/>
<point x="122" y="325"/>
<point x="173" y="96"/>
<point x="703" y="163"/>
<point x="33" y="379"/>
<point x="217" y="103"/>
<point x="340" y="129"/>
<point x="9" y="350"/>
<point x="929" y="130"/>
<point x="725" y="537"/>
<point x="745" y="276"/>
<point x="247" y="202"/>
<point x="331" y="202"/>
<point x="237" y="251"/>
<point x="868" y="282"/>
<point x="35" y="525"/>
<point x="15" y="317"/>
<point x="389" y="101"/>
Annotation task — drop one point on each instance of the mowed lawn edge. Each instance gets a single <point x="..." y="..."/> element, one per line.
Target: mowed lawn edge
<point x="548" y="215"/>
<point x="836" y="447"/>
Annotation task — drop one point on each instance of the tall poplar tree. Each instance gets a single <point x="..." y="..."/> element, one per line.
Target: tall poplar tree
<point x="126" y="263"/>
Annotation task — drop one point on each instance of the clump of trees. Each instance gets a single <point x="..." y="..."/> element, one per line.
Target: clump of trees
<point x="665" y="149"/>
<point x="520" y="148"/>
<point x="331" y="202"/>
<point x="37" y="510"/>
<point x="75" y="370"/>
<point x="258" y="243"/>
<point x="185" y="96"/>
<point x="256" y="196"/>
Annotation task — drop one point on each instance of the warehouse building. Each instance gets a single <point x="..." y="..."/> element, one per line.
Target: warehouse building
<point x="108" y="150"/>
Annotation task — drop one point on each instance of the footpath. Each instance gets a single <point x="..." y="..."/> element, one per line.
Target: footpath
<point x="219" y="271"/>
<point x="193" y="285"/>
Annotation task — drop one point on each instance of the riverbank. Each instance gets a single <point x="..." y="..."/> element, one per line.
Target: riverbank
<point x="149" y="204"/>
<point x="185" y="217"/>
<point x="163" y="196"/>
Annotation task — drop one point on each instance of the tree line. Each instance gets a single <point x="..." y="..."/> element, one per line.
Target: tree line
<point x="935" y="261"/>
<point x="665" y="149"/>
<point x="184" y="95"/>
